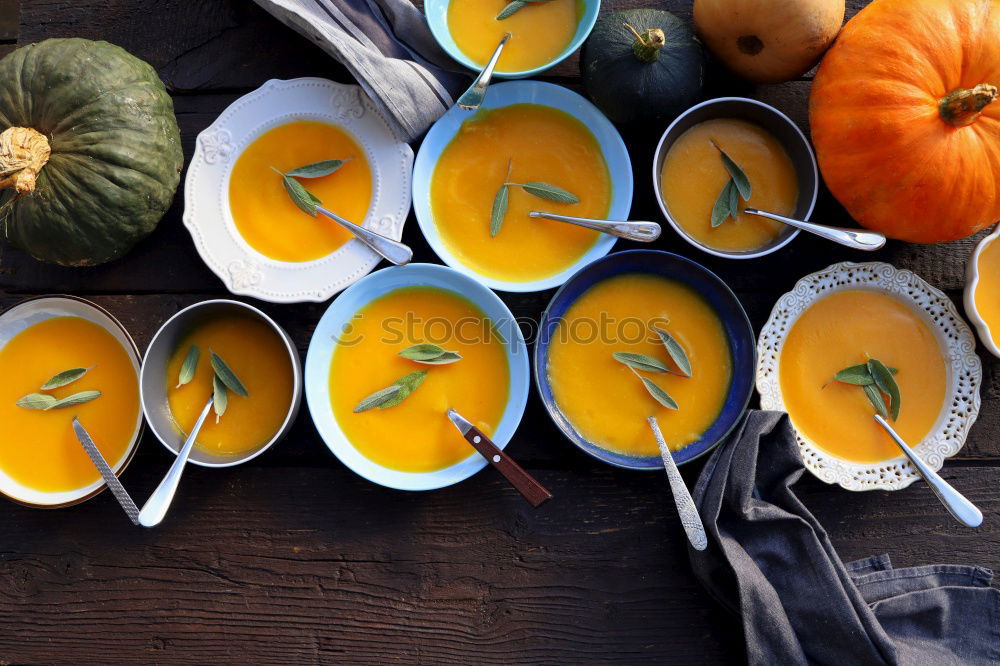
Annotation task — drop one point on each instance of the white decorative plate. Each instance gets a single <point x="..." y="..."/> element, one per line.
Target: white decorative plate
<point x="965" y="373"/>
<point x="206" y="189"/>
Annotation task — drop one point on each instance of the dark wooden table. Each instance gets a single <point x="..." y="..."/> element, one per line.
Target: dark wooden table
<point x="294" y="558"/>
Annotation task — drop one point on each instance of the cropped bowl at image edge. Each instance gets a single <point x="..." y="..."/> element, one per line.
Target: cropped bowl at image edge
<point x="612" y="147"/>
<point x="739" y="333"/>
<point x="986" y="336"/>
<point x="340" y="313"/>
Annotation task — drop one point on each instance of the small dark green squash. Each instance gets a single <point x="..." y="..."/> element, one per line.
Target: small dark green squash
<point x="90" y="152"/>
<point x="642" y="64"/>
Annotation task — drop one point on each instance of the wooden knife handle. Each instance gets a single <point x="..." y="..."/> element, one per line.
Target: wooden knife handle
<point x="525" y="484"/>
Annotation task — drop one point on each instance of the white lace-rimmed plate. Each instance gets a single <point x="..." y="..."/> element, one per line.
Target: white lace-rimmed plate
<point x="206" y="189"/>
<point x="965" y="373"/>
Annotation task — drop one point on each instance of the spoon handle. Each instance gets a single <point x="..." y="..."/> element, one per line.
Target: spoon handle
<point x="686" y="508"/>
<point x="474" y="96"/>
<point x="644" y="232"/>
<point x="853" y="238"/>
<point x="394" y="251"/>
<point x="964" y="511"/>
<point x="155" y="508"/>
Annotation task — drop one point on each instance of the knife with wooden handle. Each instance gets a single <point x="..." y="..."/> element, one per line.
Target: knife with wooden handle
<point x="525" y="484"/>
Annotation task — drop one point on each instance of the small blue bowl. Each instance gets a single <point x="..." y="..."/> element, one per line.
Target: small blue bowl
<point x="336" y="320"/>
<point x="437" y="20"/>
<point x="525" y="92"/>
<point x="742" y="346"/>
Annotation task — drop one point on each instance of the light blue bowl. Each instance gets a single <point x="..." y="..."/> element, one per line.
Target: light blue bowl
<point x="437" y="20"/>
<point x="525" y="92"/>
<point x="336" y="321"/>
<point x="739" y="332"/>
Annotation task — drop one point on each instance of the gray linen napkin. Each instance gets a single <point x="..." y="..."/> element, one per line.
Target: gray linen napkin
<point x="389" y="49"/>
<point x="770" y="561"/>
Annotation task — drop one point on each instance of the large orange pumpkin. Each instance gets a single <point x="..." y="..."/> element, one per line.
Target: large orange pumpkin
<point x="905" y="120"/>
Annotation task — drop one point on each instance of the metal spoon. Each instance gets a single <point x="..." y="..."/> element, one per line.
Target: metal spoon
<point x="962" y="509"/>
<point x="156" y="506"/>
<point x="686" y="509"/>
<point x="393" y="251"/>
<point x="852" y="238"/>
<point x="474" y="96"/>
<point x="644" y="232"/>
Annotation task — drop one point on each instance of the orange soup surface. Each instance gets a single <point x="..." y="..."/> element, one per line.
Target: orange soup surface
<point x="987" y="294"/>
<point x="542" y="145"/>
<point x="39" y="449"/>
<point x="693" y="176"/>
<point x="540" y="31"/>
<point x="604" y="400"/>
<point x="266" y="217"/>
<point x="416" y="435"/>
<point x="258" y="356"/>
<point x="844" y="329"/>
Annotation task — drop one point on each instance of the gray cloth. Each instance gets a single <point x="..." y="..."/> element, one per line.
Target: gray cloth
<point x="389" y="49"/>
<point x="771" y="562"/>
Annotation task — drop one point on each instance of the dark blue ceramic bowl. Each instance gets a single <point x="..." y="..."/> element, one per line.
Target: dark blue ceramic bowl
<point x="742" y="345"/>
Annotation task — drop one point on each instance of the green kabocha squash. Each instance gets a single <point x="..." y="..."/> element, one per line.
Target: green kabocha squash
<point x="642" y="64"/>
<point x="90" y="153"/>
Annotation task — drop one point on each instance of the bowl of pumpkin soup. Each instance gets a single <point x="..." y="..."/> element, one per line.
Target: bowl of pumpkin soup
<point x="393" y="353"/>
<point x="63" y="357"/>
<point x="727" y="154"/>
<point x="308" y="135"/>
<point x="982" y="291"/>
<point x="543" y="34"/>
<point x="644" y="333"/>
<point x="820" y="356"/>
<point x="532" y="146"/>
<point x="234" y="355"/>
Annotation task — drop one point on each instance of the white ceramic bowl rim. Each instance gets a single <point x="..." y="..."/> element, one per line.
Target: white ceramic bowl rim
<point x="687" y="237"/>
<point x="341" y="311"/>
<point x="615" y="154"/>
<point x="72" y="306"/>
<point x="969" y="295"/>
<point x="165" y="438"/>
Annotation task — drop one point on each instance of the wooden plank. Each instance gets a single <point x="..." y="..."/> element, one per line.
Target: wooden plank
<point x="10" y="20"/>
<point x="340" y="569"/>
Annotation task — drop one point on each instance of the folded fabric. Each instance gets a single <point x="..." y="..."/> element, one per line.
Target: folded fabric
<point x="389" y="49"/>
<point x="771" y="561"/>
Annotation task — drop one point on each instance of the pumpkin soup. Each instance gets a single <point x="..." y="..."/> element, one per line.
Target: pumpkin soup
<point x="541" y="145"/>
<point x="259" y="358"/>
<point x="263" y="212"/>
<point x="987" y="294"/>
<point x="415" y="435"/>
<point x="38" y="448"/>
<point x="603" y="399"/>
<point x="845" y="329"/>
<point x="694" y="174"/>
<point x="540" y="31"/>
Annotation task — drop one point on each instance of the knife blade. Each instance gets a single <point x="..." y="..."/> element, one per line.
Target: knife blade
<point x="525" y="484"/>
<point x="117" y="489"/>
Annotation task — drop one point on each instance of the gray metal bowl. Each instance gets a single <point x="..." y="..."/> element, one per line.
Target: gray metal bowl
<point x="153" y="379"/>
<point x="775" y="122"/>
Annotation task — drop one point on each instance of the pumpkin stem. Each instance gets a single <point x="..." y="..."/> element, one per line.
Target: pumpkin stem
<point x="962" y="107"/>
<point x="23" y="153"/>
<point x="648" y="43"/>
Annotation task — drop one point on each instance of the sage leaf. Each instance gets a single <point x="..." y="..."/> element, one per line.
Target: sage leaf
<point x="661" y="396"/>
<point x="409" y="384"/>
<point x="317" y="170"/>
<point x="499" y="209"/>
<point x="721" y="209"/>
<point x="874" y="397"/>
<point x="883" y="379"/>
<point x="737" y="175"/>
<point x="41" y="401"/>
<point x="640" y="362"/>
<point x="734" y="201"/>
<point x="551" y="193"/>
<point x="511" y="8"/>
<point x="189" y="366"/>
<point x="75" y="399"/>
<point x="676" y="351"/>
<point x="227" y="376"/>
<point x="220" y="398"/>
<point x="856" y="374"/>
<point x="63" y="378"/>
<point x="430" y="354"/>
<point x="378" y="398"/>
<point x="300" y="196"/>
